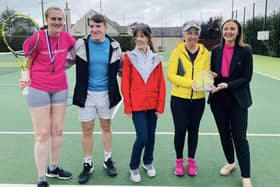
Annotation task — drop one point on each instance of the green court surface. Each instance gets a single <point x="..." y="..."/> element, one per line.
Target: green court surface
<point x="16" y="139"/>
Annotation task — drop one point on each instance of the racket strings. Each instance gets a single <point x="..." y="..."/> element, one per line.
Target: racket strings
<point x="15" y="30"/>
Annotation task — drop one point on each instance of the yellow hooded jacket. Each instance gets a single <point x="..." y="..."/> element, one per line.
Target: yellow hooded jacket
<point x="181" y="71"/>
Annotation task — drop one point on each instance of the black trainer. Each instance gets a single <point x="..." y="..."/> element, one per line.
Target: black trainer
<point x="43" y="184"/>
<point x="86" y="173"/>
<point x="110" y="167"/>
<point x="59" y="173"/>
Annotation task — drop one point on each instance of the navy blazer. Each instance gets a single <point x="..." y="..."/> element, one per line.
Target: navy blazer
<point x="240" y="74"/>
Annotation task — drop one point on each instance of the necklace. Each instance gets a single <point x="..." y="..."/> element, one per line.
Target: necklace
<point x="52" y="54"/>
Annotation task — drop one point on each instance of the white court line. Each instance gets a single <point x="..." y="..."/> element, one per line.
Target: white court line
<point x="32" y="185"/>
<point x="132" y="133"/>
<point x="257" y="72"/>
<point x="267" y="75"/>
<point x="116" y="109"/>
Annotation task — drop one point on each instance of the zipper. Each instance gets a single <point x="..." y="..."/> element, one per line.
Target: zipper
<point x="192" y="79"/>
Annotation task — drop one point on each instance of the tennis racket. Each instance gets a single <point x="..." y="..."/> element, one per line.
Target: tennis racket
<point x="15" y="30"/>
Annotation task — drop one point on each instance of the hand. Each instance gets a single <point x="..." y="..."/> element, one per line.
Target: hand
<point x="219" y="87"/>
<point x="210" y="87"/>
<point x="129" y="115"/>
<point x="194" y="88"/>
<point x="223" y="85"/>
<point x="213" y="73"/>
<point x="24" y="83"/>
<point x="25" y="79"/>
<point x="157" y="114"/>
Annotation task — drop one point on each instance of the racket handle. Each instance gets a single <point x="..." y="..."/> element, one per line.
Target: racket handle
<point x="24" y="77"/>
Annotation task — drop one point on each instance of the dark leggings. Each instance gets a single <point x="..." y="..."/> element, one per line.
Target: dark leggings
<point x="145" y="123"/>
<point x="231" y="121"/>
<point x="186" y="117"/>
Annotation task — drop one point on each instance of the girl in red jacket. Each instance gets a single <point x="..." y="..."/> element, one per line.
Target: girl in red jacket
<point x="143" y="89"/>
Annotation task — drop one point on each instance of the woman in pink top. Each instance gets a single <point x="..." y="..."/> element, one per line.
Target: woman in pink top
<point x="230" y="100"/>
<point x="48" y="92"/>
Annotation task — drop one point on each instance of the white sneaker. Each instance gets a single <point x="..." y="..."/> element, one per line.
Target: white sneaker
<point x="246" y="182"/>
<point x="150" y="170"/>
<point x="227" y="169"/>
<point x="135" y="175"/>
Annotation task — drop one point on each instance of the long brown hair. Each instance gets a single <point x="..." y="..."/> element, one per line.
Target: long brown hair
<point x="146" y="30"/>
<point x="239" y="39"/>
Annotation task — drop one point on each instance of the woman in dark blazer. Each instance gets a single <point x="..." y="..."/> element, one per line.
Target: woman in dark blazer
<point x="229" y="101"/>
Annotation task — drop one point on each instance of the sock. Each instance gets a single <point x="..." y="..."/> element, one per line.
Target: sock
<point x="52" y="167"/>
<point x="107" y="155"/>
<point x="42" y="179"/>
<point x="88" y="160"/>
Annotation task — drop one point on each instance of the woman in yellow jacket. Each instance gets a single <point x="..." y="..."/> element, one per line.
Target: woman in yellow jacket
<point x="187" y="102"/>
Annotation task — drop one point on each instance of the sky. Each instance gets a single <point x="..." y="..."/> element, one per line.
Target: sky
<point x="156" y="13"/>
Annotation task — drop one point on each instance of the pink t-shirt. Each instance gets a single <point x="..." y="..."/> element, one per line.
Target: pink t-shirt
<point x="226" y="59"/>
<point x="40" y="72"/>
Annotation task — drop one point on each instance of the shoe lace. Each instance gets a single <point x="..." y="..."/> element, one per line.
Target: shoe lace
<point x="228" y="167"/>
<point x="135" y="171"/>
<point x="192" y="162"/>
<point x="60" y="170"/>
<point x="179" y="164"/>
<point x="86" y="169"/>
<point x="149" y="167"/>
<point x="109" y="164"/>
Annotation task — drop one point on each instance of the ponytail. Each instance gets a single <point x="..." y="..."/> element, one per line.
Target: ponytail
<point x="150" y="43"/>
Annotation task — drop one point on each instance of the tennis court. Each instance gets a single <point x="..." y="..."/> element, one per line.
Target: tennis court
<point x="16" y="138"/>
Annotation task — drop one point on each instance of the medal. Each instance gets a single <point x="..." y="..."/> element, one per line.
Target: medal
<point x="52" y="54"/>
<point x="52" y="69"/>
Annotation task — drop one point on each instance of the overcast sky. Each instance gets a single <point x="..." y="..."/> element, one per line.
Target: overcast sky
<point x="156" y="13"/>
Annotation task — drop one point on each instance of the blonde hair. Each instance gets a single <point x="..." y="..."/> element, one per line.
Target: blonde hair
<point x="47" y="12"/>
<point x="239" y="39"/>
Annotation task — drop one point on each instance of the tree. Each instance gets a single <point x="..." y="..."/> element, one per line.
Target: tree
<point x="4" y="15"/>
<point x="210" y="32"/>
<point x="270" y="47"/>
<point x="17" y="29"/>
<point x="211" y="29"/>
<point x="7" y="13"/>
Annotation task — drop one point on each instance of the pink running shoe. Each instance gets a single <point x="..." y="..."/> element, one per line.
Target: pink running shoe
<point x="179" y="167"/>
<point x="192" y="169"/>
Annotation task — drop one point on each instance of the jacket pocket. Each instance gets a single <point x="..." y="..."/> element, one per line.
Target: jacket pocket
<point x="180" y="70"/>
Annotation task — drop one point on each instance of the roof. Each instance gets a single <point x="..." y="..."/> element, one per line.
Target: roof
<point x="123" y="29"/>
<point x="157" y="31"/>
<point x="166" y="31"/>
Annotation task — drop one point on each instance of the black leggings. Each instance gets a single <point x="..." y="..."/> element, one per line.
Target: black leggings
<point x="231" y="121"/>
<point x="186" y="117"/>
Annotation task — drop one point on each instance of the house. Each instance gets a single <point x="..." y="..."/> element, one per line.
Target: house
<point x="80" y="28"/>
<point x="164" y="38"/>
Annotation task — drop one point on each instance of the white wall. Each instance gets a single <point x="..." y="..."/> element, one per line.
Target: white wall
<point x="169" y="43"/>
